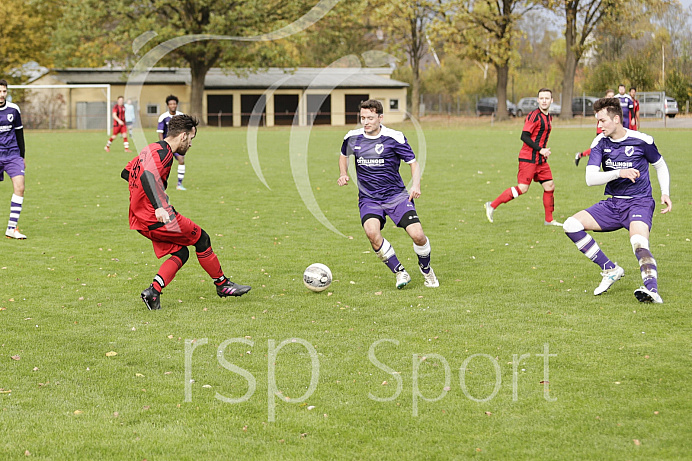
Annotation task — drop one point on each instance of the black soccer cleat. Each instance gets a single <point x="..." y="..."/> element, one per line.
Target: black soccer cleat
<point x="229" y="288"/>
<point x="577" y="157"/>
<point x="152" y="299"/>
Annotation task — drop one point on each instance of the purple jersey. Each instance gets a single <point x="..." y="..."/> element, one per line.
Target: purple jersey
<point x="10" y="120"/>
<point x="164" y="119"/>
<point x="377" y="161"/>
<point x="635" y="150"/>
<point x="627" y="108"/>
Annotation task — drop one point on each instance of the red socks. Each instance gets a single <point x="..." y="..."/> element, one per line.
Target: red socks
<point x="509" y="194"/>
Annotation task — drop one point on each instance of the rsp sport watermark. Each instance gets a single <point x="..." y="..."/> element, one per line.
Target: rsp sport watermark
<point x="274" y="393"/>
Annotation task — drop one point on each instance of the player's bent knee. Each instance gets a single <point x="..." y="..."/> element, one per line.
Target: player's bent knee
<point x="203" y="243"/>
<point x="639" y="241"/>
<point x="183" y="254"/>
<point x="572" y="224"/>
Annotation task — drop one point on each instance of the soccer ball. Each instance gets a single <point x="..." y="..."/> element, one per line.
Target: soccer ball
<point x="317" y="277"/>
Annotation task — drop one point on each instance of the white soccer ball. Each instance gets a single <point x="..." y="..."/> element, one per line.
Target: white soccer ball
<point x="317" y="277"/>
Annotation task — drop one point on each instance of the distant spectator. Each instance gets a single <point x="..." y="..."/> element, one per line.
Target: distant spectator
<point x="129" y="115"/>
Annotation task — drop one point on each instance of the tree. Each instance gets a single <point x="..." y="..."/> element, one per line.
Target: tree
<point x="236" y="18"/>
<point x="405" y="24"/>
<point x="25" y="35"/>
<point x="582" y="18"/>
<point x="485" y="30"/>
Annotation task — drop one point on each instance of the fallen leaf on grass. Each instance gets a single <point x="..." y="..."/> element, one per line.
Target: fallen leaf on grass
<point x="488" y="413"/>
<point x="139" y="375"/>
<point x="636" y="442"/>
<point x="3" y="391"/>
<point x="78" y="412"/>
<point x="15" y="357"/>
<point x="111" y="354"/>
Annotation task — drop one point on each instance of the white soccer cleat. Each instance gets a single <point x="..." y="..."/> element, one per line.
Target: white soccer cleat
<point x="180" y="187"/>
<point x="644" y="295"/>
<point x="402" y="279"/>
<point x="430" y="279"/>
<point x="552" y="223"/>
<point x="14" y="234"/>
<point x="610" y="276"/>
<point x="489" y="210"/>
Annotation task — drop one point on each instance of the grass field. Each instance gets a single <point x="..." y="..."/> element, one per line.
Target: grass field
<point x="550" y="371"/>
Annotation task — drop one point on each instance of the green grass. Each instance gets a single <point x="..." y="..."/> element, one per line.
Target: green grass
<point x="70" y="294"/>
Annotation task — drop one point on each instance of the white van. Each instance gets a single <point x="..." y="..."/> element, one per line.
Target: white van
<point x="656" y="104"/>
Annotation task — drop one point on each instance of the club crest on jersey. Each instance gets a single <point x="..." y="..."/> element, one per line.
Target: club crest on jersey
<point x="629" y="150"/>
<point x="379" y="148"/>
<point x="10" y="117"/>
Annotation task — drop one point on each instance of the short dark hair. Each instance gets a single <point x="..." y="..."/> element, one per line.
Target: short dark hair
<point x="181" y="124"/>
<point x="612" y="106"/>
<point x="372" y="104"/>
<point x="3" y="82"/>
<point x="633" y="88"/>
<point x="543" y="90"/>
<point x="621" y="85"/>
<point x="171" y="97"/>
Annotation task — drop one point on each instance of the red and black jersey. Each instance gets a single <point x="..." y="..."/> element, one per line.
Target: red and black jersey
<point x="147" y="176"/>
<point x="535" y="135"/>
<point x="119" y="112"/>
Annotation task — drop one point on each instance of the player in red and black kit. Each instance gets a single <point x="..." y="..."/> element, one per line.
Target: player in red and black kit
<point x="533" y="160"/>
<point x="153" y="217"/>
<point x="119" y="125"/>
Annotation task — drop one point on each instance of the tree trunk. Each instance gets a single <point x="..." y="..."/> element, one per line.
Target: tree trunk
<point x="415" y="90"/>
<point x="502" y="79"/>
<point x="198" y="71"/>
<point x="571" y="60"/>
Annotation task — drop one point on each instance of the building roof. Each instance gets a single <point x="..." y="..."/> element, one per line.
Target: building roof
<point x="301" y="78"/>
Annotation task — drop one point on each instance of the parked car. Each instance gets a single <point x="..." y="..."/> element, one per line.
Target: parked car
<point x="671" y="107"/>
<point x="583" y="105"/>
<point x="656" y="103"/>
<point x="526" y="105"/>
<point x="488" y="106"/>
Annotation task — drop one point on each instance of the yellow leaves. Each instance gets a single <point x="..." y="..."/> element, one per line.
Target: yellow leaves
<point x="111" y="354"/>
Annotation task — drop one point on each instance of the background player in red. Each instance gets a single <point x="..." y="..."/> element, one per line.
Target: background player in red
<point x="533" y="160"/>
<point x="119" y="125"/>
<point x="634" y="116"/>
<point x="579" y="155"/>
<point x="153" y="217"/>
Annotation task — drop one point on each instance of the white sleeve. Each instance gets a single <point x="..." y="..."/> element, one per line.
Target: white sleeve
<point x="596" y="177"/>
<point x="663" y="176"/>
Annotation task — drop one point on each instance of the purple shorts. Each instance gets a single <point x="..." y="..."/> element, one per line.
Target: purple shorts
<point x="13" y="166"/>
<point x="399" y="209"/>
<point x="617" y="213"/>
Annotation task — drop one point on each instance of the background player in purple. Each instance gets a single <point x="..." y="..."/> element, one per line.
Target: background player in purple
<point x="625" y="156"/>
<point x="162" y="130"/>
<point x="12" y="157"/>
<point x="626" y="104"/>
<point x="378" y="152"/>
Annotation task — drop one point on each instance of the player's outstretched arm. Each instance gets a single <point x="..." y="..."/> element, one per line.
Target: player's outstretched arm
<point x="343" y="171"/>
<point x="415" y="176"/>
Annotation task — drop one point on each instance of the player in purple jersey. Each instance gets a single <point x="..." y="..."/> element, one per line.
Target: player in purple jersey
<point x="378" y="152"/>
<point x="627" y="105"/>
<point x="162" y="130"/>
<point x="12" y="157"/>
<point x="625" y="156"/>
